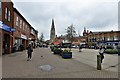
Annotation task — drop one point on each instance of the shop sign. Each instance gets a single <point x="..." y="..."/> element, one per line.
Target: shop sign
<point x="23" y="36"/>
<point x="30" y="38"/>
<point x="13" y="29"/>
<point x="7" y="28"/>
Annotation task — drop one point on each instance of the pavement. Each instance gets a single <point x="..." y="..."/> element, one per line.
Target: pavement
<point x="0" y="67"/>
<point x="89" y="57"/>
<point x="15" y="65"/>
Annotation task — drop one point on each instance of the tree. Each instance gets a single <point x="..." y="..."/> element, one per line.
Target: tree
<point x="41" y="38"/>
<point x="70" y="33"/>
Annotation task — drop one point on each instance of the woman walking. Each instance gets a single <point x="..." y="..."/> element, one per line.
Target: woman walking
<point x="29" y="52"/>
<point x="101" y="52"/>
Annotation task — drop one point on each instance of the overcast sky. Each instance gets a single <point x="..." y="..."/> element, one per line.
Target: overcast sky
<point x="95" y="15"/>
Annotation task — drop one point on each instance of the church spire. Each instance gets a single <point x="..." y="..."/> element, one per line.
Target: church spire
<point x="52" y="26"/>
<point x="84" y="32"/>
<point x="52" y="33"/>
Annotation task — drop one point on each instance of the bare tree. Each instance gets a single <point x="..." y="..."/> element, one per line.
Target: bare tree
<point x="70" y="33"/>
<point x="41" y="38"/>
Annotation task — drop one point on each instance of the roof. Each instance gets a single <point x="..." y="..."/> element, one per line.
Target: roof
<point x="102" y="32"/>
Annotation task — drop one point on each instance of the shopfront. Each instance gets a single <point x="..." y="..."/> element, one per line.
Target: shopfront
<point x="6" y="39"/>
<point x="24" y="39"/>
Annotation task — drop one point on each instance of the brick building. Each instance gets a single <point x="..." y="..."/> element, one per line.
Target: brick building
<point x="102" y="38"/>
<point x="14" y="28"/>
<point x="22" y="32"/>
<point x="33" y="36"/>
<point x="7" y="34"/>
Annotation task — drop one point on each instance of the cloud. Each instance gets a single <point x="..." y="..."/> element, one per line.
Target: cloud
<point x="94" y="15"/>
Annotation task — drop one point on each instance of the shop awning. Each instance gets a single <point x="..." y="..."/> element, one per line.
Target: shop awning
<point x="75" y="42"/>
<point x="56" y="43"/>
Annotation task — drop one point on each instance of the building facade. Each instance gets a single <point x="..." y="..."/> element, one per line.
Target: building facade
<point x="22" y="30"/>
<point x="14" y="29"/>
<point x="7" y="21"/>
<point x="103" y="38"/>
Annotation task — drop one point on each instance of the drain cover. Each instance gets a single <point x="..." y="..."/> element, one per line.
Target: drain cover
<point x="46" y="67"/>
<point x="112" y="66"/>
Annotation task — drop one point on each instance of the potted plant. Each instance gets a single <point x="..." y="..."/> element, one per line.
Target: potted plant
<point x="52" y="48"/>
<point x="57" y="51"/>
<point x="66" y="54"/>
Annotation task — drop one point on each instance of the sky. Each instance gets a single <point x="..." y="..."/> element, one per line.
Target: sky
<point x="94" y="15"/>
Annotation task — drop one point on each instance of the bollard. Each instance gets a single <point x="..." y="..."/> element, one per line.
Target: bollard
<point x="98" y="62"/>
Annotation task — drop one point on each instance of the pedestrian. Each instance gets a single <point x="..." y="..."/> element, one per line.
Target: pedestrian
<point x="5" y="47"/>
<point x="101" y="52"/>
<point x="29" y="52"/>
<point x="14" y="47"/>
<point x="80" y="47"/>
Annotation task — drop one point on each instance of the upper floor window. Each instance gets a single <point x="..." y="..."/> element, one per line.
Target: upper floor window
<point x="17" y="21"/>
<point x="23" y="25"/>
<point x="26" y="27"/>
<point x="0" y="9"/>
<point x="6" y="13"/>
<point x="20" y="23"/>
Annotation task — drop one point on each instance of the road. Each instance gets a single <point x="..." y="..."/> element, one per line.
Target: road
<point x="16" y="66"/>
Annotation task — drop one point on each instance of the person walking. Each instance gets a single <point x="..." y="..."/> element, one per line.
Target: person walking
<point x="14" y="47"/>
<point x="29" y="52"/>
<point x="80" y="47"/>
<point x="101" y="52"/>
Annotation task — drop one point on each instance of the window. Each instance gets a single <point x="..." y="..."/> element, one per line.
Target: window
<point x="6" y="12"/>
<point x="20" y="23"/>
<point x="17" y="21"/>
<point x="115" y="37"/>
<point x="23" y="25"/>
<point x="28" y="29"/>
<point x="0" y="9"/>
<point x="9" y="16"/>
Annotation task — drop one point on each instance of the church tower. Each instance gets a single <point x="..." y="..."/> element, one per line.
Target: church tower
<point x="52" y="32"/>
<point x="84" y="32"/>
